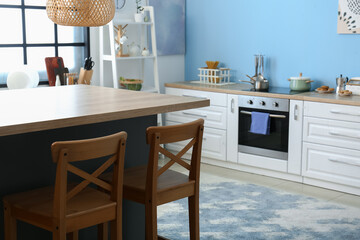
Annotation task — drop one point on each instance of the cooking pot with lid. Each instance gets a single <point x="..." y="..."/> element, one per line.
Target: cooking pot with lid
<point x="300" y="83"/>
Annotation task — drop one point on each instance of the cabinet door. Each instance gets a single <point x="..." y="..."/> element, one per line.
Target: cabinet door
<point x="295" y="136"/>
<point x="232" y="128"/>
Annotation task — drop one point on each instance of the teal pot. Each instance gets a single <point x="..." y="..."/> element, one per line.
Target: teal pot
<point x="300" y="83"/>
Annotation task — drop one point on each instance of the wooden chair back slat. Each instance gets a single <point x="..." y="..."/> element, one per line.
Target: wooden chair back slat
<point x="174" y="158"/>
<point x="177" y="133"/>
<point x="80" y="150"/>
<point x="88" y="179"/>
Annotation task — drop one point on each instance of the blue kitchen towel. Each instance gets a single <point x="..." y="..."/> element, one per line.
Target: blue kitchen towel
<point x="260" y="123"/>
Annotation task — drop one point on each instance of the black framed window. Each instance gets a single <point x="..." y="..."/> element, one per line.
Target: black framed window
<point x="28" y="37"/>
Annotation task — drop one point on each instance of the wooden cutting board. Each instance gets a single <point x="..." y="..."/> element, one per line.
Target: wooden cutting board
<point x="55" y="66"/>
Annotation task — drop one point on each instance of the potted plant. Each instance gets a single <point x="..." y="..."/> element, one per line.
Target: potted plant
<point x="139" y="15"/>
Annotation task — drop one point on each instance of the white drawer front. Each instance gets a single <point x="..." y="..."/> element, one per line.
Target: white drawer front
<point x="332" y="132"/>
<point x="332" y="111"/>
<point x="214" y="116"/>
<point x="214" y="143"/>
<point x="216" y="99"/>
<point x="331" y="164"/>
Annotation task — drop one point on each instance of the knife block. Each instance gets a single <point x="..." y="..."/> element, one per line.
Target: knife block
<point x="85" y="76"/>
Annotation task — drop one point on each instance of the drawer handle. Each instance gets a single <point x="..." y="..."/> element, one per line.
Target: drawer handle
<point x="348" y="162"/>
<point x="201" y="97"/>
<point x="195" y="114"/>
<point x="343" y="135"/>
<point x="345" y="113"/>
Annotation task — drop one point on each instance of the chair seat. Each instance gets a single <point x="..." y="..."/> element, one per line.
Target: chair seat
<point x="170" y="182"/>
<point x="39" y="203"/>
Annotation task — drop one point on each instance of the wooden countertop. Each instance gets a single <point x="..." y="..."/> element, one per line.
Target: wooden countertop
<point x="29" y="110"/>
<point x="240" y="88"/>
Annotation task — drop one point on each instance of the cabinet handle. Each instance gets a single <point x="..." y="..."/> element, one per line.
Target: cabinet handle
<point x="345" y="113"/>
<point x="295" y="112"/>
<point x="232" y="105"/>
<point x="343" y="135"/>
<point x="184" y="95"/>
<point x="195" y="114"/>
<point x="348" y="162"/>
<point x="271" y="115"/>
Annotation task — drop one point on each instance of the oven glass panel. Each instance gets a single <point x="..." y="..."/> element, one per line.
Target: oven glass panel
<point x="277" y="140"/>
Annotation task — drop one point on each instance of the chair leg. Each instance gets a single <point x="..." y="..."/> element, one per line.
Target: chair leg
<point x="103" y="230"/>
<point x="116" y="229"/>
<point x="9" y="224"/>
<point x="72" y="236"/>
<point x="150" y="221"/>
<point x="59" y="233"/>
<point x="193" y="203"/>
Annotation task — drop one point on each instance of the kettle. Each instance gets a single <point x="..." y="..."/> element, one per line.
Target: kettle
<point x="340" y="83"/>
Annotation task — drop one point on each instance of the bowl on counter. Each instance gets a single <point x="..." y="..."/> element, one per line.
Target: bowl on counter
<point x="300" y="83"/>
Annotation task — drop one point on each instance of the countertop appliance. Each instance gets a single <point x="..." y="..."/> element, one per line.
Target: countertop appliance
<point x="273" y="145"/>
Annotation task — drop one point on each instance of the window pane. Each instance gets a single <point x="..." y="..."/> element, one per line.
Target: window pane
<point x="37" y="55"/>
<point x="10" y="27"/>
<point x="39" y="28"/>
<point x="68" y="34"/>
<point x="11" y="57"/>
<point x="10" y="2"/>
<point x="35" y="2"/>
<point x="73" y="57"/>
<point x="36" y="59"/>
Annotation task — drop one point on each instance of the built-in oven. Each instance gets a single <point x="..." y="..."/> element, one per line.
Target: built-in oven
<point x="274" y="143"/>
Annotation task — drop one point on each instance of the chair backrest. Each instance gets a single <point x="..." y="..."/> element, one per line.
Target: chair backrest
<point x="157" y="136"/>
<point x="110" y="147"/>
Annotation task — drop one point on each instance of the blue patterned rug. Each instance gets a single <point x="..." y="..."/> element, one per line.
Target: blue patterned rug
<point x="230" y="210"/>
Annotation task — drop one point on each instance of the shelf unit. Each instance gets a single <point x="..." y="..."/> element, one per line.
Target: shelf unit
<point x="114" y="59"/>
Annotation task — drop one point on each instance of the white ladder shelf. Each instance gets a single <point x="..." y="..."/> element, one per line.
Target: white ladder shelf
<point x="113" y="58"/>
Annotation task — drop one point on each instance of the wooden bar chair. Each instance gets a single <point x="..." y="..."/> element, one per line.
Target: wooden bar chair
<point x="152" y="186"/>
<point x="65" y="208"/>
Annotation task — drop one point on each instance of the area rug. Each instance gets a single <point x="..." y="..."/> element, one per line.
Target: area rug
<point x="231" y="210"/>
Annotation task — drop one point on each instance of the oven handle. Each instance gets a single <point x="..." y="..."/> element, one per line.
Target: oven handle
<point x="271" y="115"/>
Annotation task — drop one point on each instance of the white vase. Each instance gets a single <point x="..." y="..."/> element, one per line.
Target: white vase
<point x="139" y="17"/>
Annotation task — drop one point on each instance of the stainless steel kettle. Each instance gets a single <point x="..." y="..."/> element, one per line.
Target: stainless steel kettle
<point x="340" y="83"/>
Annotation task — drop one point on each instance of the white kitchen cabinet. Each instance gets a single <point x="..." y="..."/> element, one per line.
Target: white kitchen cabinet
<point x="295" y="136"/>
<point x="331" y="151"/>
<point x="215" y="116"/>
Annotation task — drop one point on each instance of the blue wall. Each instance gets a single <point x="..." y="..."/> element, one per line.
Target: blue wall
<point x="294" y="35"/>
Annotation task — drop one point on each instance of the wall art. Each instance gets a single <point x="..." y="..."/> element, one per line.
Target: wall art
<point x="170" y="26"/>
<point x="349" y="17"/>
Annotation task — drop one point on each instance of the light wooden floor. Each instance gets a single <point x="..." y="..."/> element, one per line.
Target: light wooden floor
<point x="210" y="173"/>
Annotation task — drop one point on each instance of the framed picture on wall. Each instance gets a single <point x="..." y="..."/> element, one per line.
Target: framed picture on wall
<point x="170" y="26"/>
<point x="349" y="17"/>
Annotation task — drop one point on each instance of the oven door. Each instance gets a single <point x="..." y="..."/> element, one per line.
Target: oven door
<point x="274" y="145"/>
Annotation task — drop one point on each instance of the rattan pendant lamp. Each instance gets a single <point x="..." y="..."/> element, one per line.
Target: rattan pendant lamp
<point x="82" y="13"/>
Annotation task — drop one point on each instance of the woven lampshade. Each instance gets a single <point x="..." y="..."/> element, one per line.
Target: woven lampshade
<point x="83" y="13"/>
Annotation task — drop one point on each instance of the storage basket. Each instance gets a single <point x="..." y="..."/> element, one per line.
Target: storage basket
<point x="354" y="86"/>
<point x="214" y="76"/>
<point x="131" y="84"/>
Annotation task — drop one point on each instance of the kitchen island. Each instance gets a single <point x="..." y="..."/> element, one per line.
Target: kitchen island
<point x="32" y="119"/>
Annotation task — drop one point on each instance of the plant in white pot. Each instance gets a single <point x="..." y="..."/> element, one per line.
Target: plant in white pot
<point x="139" y="15"/>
